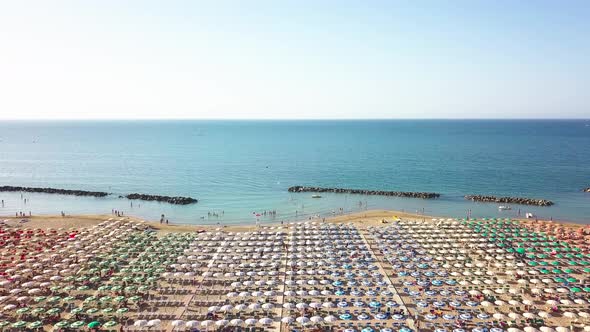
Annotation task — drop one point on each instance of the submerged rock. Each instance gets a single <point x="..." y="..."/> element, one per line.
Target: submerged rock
<point x="167" y="199"/>
<point x="513" y="200"/>
<point x="54" y="191"/>
<point x="424" y="195"/>
<point x="587" y="190"/>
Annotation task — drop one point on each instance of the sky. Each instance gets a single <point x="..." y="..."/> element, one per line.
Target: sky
<point x="325" y="59"/>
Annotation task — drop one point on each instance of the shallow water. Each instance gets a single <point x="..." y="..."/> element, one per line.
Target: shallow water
<point x="236" y="168"/>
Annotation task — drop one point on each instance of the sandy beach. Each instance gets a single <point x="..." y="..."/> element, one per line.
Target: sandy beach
<point x="369" y="271"/>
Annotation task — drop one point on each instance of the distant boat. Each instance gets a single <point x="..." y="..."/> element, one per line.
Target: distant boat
<point x="316" y="196"/>
<point x="504" y="207"/>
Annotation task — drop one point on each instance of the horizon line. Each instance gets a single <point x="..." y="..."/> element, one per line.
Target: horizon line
<point x="283" y="119"/>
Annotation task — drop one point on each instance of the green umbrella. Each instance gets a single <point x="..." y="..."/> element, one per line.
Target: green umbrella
<point x="76" y="311"/>
<point x="586" y="289"/>
<point x="587" y="269"/>
<point x="122" y="310"/>
<point x="558" y="279"/>
<point x="110" y="324"/>
<point x="34" y="325"/>
<point x="4" y="324"/>
<point x="570" y="279"/>
<point x="39" y="299"/>
<point x="54" y="299"/>
<point x="103" y="288"/>
<point x="69" y="299"/>
<point x="83" y="288"/>
<point x="107" y="310"/>
<point x="93" y="324"/>
<point x="37" y="311"/>
<point x="69" y="288"/>
<point x="572" y="263"/>
<point x="19" y="324"/>
<point x="575" y="290"/>
<point x="91" y="311"/>
<point x="520" y="250"/>
<point x="90" y="299"/>
<point x="557" y="271"/>
<point x="23" y="310"/>
<point x="61" y="324"/>
<point x="555" y="263"/>
<point x="53" y="311"/>
<point x="568" y="270"/>
<point x="77" y="325"/>
<point x="119" y="299"/>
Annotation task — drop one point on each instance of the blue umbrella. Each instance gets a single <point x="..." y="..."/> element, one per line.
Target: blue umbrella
<point x="345" y="316"/>
<point x="374" y="304"/>
<point x="392" y="304"/>
<point x="439" y="304"/>
<point x="381" y="316"/>
<point x="339" y="292"/>
<point x="367" y="329"/>
<point x="370" y="293"/>
<point x="337" y="283"/>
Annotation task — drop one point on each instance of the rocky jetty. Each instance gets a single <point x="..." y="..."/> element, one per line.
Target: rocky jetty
<point x="299" y="189"/>
<point x="167" y="199"/>
<point x="53" y="191"/>
<point x="512" y="200"/>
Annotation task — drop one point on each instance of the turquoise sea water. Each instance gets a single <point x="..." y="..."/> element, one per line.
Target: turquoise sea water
<point x="236" y="168"/>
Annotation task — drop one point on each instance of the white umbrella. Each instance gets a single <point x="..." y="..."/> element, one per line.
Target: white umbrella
<point x="9" y="307"/>
<point x="315" y="305"/>
<point x="254" y="306"/>
<point x="240" y="307"/>
<point x="330" y="319"/>
<point x="140" y="323"/>
<point x="265" y="321"/>
<point x="267" y="306"/>
<point x="192" y="324"/>
<point x="236" y="322"/>
<point x="251" y="321"/>
<point x="222" y="322"/>
<point x="287" y="320"/>
<point x="302" y="320"/>
<point x="316" y="319"/>
<point x="301" y="305"/>
<point x="226" y="308"/>
<point x="154" y="322"/>
<point x="207" y="323"/>
<point x="289" y="306"/>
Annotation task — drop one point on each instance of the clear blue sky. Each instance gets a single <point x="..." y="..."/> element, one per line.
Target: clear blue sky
<point x="294" y="59"/>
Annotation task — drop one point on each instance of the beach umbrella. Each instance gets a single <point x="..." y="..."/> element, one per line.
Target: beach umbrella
<point x="265" y="321"/>
<point x="236" y="322"/>
<point x="251" y="321"/>
<point x="287" y="320"/>
<point x="93" y="324"/>
<point x="302" y="320"/>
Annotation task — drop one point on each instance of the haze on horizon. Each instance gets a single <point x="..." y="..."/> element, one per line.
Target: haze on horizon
<point x="294" y="59"/>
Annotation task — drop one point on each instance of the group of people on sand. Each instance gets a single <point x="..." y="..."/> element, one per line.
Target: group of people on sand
<point x="117" y="213"/>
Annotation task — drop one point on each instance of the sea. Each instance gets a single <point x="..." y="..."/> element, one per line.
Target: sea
<point x="239" y="169"/>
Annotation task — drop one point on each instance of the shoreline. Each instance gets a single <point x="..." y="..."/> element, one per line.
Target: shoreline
<point x="364" y="218"/>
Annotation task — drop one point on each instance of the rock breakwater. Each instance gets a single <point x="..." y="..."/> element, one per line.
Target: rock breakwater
<point x="512" y="200"/>
<point x="53" y="191"/>
<point x="423" y="195"/>
<point x="178" y="200"/>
